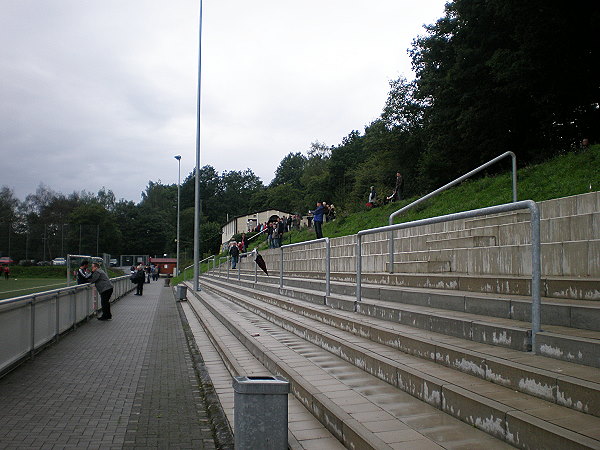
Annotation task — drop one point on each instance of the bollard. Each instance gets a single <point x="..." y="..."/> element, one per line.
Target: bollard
<point x="167" y="282"/>
<point x="181" y="292"/>
<point x="260" y="413"/>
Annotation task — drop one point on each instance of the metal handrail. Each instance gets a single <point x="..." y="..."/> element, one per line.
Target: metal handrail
<point x="449" y="185"/>
<point x="327" y="262"/>
<point x="535" y="249"/>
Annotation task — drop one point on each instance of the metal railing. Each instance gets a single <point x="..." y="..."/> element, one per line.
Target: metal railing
<point x="327" y="261"/>
<point x="447" y="186"/>
<point x="535" y="249"/>
<point x="29" y="322"/>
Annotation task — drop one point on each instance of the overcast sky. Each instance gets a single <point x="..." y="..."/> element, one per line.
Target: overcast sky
<point x="100" y="93"/>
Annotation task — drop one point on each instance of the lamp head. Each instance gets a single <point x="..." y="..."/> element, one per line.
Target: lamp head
<point x="177" y="157"/>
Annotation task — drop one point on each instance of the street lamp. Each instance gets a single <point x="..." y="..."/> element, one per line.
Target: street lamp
<point x="178" y="158"/>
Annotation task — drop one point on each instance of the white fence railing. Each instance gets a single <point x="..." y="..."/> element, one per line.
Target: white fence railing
<point x="29" y="322"/>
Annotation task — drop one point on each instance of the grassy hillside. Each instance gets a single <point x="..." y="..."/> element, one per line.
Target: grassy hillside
<point x="565" y="175"/>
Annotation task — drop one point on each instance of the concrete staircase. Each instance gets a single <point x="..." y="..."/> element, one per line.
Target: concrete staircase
<point x="432" y="360"/>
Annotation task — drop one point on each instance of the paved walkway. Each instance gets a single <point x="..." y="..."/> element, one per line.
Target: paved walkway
<point x="124" y="383"/>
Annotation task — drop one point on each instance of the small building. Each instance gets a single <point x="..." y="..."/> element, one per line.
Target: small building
<point x="248" y="222"/>
<point x="167" y="265"/>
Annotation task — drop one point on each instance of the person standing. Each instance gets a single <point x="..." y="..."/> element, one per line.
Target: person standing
<point x="399" y="189"/>
<point x="372" y="197"/>
<point x="140" y="278"/>
<point x="318" y="219"/>
<point x="83" y="274"/>
<point x="6" y="272"/>
<point x="104" y="288"/>
<point x="234" y="252"/>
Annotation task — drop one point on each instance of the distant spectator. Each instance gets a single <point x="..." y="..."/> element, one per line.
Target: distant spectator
<point x="140" y="278"/>
<point x="83" y="274"/>
<point x="398" y="193"/>
<point x="234" y="252"/>
<point x="318" y="219"/>
<point x="104" y="288"/>
<point x="372" y="197"/>
<point x="585" y="143"/>
<point x="6" y="272"/>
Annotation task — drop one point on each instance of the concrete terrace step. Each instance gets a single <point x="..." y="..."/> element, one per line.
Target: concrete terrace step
<point x="226" y="357"/>
<point x="582" y="314"/>
<point x="575" y="288"/>
<point x="359" y="409"/>
<point x="517" y="418"/>
<point x="568" y="344"/>
<point x="567" y="384"/>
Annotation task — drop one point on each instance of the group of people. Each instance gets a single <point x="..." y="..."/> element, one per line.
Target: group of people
<point x="291" y="222"/>
<point x="100" y="279"/>
<point x="142" y="274"/>
<point x="397" y="194"/>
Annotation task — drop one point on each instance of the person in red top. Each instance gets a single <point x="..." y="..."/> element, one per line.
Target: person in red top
<point x="6" y="272"/>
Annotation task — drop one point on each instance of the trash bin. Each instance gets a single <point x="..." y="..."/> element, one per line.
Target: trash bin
<point x="181" y="292"/>
<point x="167" y="282"/>
<point x="260" y="413"/>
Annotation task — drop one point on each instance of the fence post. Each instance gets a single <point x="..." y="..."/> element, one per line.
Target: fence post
<point x="536" y="303"/>
<point x="32" y="349"/>
<point x="358" y="267"/>
<point x="281" y="268"/>
<point x="327" y="267"/>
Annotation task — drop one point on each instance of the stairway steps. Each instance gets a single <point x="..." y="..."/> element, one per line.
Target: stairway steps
<point x="229" y="358"/>
<point x="566" y="343"/>
<point x="362" y="411"/>
<point x="463" y="396"/>
<point x="568" y="384"/>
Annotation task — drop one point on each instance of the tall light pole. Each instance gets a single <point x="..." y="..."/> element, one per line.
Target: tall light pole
<point x="178" y="158"/>
<point x="197" y="184"/>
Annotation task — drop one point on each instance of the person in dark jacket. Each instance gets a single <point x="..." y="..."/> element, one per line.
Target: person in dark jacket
<point x="83" y="274"/>
<point x="234" y="251"/>
<point x="140" y="278"/>
<point x="104" y="288"/>
<point x="318" y="219"/>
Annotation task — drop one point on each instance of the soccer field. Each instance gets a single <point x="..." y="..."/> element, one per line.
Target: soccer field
<point x="15" y="287"/>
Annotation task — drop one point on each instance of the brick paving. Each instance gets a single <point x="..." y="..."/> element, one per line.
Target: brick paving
<point x="124" y="383"/>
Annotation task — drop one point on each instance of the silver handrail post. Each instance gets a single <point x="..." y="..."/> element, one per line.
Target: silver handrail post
<point x="228" y="265"/>
<point x="281" y="268"/>
<point x="514" y="175"/>
<point x="255" y="266"/>
<point x="536" y="274"/>
<point x="327" y="267"/>
<point x="358" y="267"/>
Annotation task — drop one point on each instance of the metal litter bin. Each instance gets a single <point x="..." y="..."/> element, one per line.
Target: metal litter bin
<point x="260" y="413"/>
<point x="181" y="292"/>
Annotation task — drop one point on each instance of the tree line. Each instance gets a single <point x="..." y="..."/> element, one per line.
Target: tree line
<point x="491" y="76"/>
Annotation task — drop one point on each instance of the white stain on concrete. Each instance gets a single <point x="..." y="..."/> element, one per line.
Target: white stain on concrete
<point x="561" y="399"/>
<point x="510" y="437"/>
<point x="433" y="397"/>
<point x="501" y="338"/>
<point x="496" y="377"/>
<point x="538" y="389"/>
<point x="467" y="366"/>
<point x="548" y="350"/>
<point x="489" y="424"/>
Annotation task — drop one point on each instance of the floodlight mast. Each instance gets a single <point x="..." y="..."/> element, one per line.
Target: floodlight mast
<point x="197" y="188"/>
<point x="178" y="158"/>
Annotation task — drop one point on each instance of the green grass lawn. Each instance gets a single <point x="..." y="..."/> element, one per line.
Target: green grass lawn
<point x="15" y="287"/>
